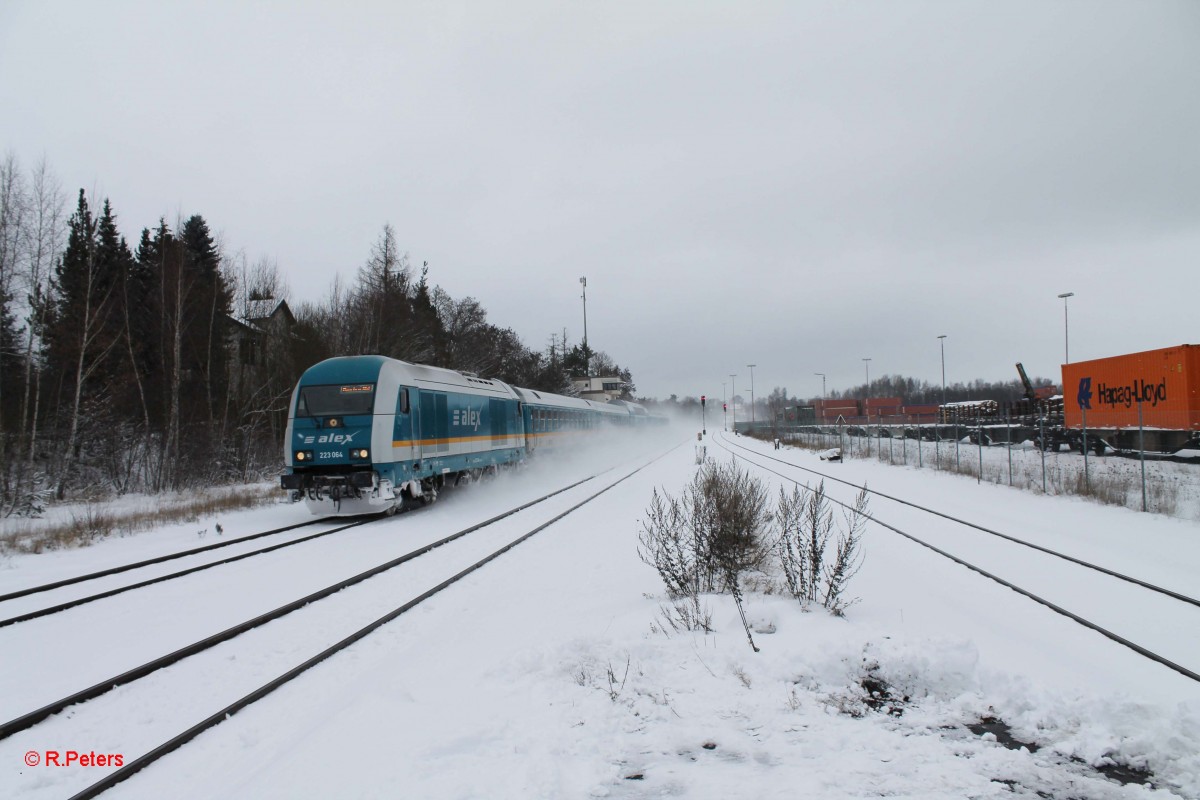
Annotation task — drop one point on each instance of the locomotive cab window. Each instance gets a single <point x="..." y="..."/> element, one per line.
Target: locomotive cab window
<point x="336" y="401"/>
<point x="402" y="402"/>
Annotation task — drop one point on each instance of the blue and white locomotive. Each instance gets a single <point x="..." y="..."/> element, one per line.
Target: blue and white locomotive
<point x="367" y="434"/>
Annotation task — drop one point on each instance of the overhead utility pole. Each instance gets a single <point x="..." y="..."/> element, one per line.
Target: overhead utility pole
<point x="587" y="369"/>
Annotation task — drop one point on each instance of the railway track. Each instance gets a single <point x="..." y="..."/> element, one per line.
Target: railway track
<point x="84" y="599"/>
<point x="33" y="717"/>
<point x="316" y="620"/>
<point x="990" y="531"/>
<point x="45" y="587"/>
<point x="756" y="458"/>
<point x="74" y="602"/>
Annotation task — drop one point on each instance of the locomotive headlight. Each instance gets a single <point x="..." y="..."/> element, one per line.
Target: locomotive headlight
<point x="304" y="455"/>
<point x="362" y="453"/>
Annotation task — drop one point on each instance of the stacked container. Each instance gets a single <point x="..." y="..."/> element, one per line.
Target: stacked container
<point x="1166" y="382"/>
<point x="888" y="406"/>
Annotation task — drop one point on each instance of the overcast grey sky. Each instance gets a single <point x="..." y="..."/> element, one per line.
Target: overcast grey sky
<point x="799" y="185"/>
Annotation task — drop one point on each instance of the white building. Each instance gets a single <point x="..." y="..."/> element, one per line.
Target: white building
<point x="599" y="389"/>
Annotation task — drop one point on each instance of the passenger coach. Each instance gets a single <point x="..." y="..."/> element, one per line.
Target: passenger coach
<point x="553" y="420"/>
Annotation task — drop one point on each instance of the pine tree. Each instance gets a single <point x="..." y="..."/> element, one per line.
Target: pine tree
<point x="433" y="338"/>
<point x="80" y="332"/>
<point x="143" y="302"/>
<point x="206" y="316"/>
<point x="114" y="262"/>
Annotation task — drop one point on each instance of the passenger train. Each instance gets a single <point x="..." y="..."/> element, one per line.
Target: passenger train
<point x="369" y="434"/>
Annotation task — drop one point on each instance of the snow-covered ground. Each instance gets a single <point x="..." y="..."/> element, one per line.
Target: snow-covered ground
<point x="546" y="674"/>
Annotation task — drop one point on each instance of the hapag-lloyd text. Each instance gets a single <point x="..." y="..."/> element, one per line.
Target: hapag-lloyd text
<point x="1149" y="393"/>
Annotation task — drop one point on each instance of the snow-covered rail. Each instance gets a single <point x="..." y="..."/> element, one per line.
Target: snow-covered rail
<point x="1015" y="540"/>
<point x="741" y="451"/>
<point x="174" y="743"/>
<point x="313" y="632"/>
<point x="78" y="601"/>
<point x="33" y="717"/>
<point x="45" y="587"/>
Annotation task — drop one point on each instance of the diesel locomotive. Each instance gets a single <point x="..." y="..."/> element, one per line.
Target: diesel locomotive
<point x="370" y="434"/>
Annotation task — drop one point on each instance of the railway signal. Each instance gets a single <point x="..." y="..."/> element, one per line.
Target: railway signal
<point x="703" y="424"/>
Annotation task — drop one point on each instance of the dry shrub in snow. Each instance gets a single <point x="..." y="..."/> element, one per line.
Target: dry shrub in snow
<point x="722" y="528"/>
<point x="718" y="528"/>
<point x="703" y="541"/>
<point x="96" y="521"/>
<point x="806" y="528"/>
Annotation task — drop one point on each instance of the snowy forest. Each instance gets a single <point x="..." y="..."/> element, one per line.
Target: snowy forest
<point x="169" y="364"/>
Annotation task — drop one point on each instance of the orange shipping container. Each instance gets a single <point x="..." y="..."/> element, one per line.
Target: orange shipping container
<point x="1167" y="382"/>
<point x="841" y="406"/>
<point x="927" y="408"/>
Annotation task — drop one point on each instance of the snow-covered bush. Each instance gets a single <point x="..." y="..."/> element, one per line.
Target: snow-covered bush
<point x="703" y="541"/>
<point x="719" y="528"/>
<point x="806" y="527"/>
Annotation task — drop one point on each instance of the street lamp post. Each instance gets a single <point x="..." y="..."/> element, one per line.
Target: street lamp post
<point x="733" y="399"/>
<point x="587" y="369"/>
<point x="823" y="412"/>
<point x="752" y="366"/>
<point x="867" y="365"/>
<point x="1066" y="328"/>
<point x="942" y="340"/>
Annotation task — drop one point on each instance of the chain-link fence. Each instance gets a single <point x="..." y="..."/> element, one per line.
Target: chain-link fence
<point x="1149" y="468"/>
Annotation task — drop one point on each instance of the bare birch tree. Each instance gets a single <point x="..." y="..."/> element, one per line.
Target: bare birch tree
<point x="43" y="239"/>
<point x="14" y="203"/>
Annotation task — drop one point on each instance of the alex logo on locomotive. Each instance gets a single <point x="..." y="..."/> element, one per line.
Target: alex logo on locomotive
<point x="328" y="438"/>
<point x="467" y="417"/>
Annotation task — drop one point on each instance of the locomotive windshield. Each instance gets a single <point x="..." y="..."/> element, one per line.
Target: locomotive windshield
<point x="336" y="401"/>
